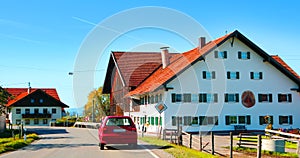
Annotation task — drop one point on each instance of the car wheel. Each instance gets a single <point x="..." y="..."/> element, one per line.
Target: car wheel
<point x="101" y="146"/>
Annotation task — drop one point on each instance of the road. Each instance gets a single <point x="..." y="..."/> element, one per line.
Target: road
<point x="76" y="143"/>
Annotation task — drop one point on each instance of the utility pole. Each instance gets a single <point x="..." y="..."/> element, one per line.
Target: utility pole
<point x="93" y="115"/>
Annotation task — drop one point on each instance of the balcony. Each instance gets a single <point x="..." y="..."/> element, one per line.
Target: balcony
<point x="38" y="115"/>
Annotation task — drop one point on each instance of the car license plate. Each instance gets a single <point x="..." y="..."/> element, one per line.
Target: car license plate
<point x="119" y="130"/>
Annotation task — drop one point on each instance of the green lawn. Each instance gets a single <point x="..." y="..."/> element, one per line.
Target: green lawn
<point x="175" y="150"/>
<point x="11" y="144"/>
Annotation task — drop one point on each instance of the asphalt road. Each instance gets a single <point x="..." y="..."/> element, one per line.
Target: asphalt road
<point x="58" y="142"/>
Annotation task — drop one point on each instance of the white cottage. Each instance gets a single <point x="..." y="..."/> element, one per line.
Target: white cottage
<point x="223" y="84"/>
<point x="34" y="106"/>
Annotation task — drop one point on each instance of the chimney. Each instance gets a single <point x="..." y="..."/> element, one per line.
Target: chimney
<point x="202" y="42"/>
<point x="29" y="88"/>
<point x="165" y="56"/>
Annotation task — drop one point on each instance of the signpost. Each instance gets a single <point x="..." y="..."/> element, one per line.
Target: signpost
<point x="160" y="107"/>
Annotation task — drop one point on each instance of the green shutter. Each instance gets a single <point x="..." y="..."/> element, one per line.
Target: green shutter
<point x="236" y="97"/>
<point x="248" y="119"/>
<point x="261" y="120"/>
<point x="204" y="74"/>
<point x="173" y="97"/>
<point x="226" y="97"/>
<point x="259" y="97"/>
<point x="252" y="75"/>
<point x="239" y="55"/>
<point x="290" y="119"/>
<point x="227" y="120"/>
<point x="270" y="98"/>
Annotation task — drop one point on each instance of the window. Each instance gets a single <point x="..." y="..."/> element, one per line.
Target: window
<point x="208" y="98"/>
<point x="232" y="97"/>
<point x="187" y="98"/>
<point x="176" y="97"/>
<point x="31" y="100"/>
<point x="53" y="111"/>
<point x="233" y="75"/>
<point x="265" y="98"/>
<point x="45" y="121"/>
<point x="256" y="75"/>
<point x="18" y="121"/>
<point x="238" y="120"/>
<point x="265" y="120"/>
<point x="284" y="97"/>
<point x="221" y="54"/>
<point x="209" y="75"/>
<point x="45" y="111"/>
<point x="174" y="120"/>
<point x="18" y="111"/>
<point x="27" y="121"/>
<point x="41" y="100"/>
<point x="27" y="111"/>
<point x="36" y="110"/>
<point x="187" y="120"/>
<point x="208" y="120"/>
<point x="195" y="98"/>
<point x="36" y="121"/>
<point x="195" y="121"/>
<point x="244" y="55"/>
<point x="286" y="120"/>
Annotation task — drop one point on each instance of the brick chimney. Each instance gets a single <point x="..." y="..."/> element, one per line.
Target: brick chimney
<point x="202" y="42"/>
<point x="165" y="56"/>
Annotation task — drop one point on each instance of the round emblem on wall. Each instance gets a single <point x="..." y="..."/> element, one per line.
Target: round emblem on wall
<point x="248" y="99"/>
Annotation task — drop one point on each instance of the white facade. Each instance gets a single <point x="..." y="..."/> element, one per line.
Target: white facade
<point x="18" y="115"/>
<point x="191" y="82"/>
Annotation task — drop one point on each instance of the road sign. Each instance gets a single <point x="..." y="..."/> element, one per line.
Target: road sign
<point x="161" y="107"/>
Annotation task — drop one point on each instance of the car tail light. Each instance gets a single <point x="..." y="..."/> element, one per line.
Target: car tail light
<point x="133" y="129"/>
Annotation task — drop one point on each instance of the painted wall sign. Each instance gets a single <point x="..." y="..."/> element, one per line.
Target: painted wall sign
<point x="248" y="99"/>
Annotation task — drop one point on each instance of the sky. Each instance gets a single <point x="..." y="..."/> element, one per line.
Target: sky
<point x="42" y="41"/>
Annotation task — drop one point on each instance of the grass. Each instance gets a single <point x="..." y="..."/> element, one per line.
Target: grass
<point x="288" y="144"/>
<point x="12" y="144"/>
<point x="264" y="152"/>
<point x="175" y="150"/>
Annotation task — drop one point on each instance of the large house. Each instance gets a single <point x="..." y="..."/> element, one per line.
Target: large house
<point x="34" y="106"/>
<point x="223" y="84"/>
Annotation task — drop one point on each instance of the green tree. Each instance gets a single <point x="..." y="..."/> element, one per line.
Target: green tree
<point x="4" y="95"/>
<point x="101" y="104"/>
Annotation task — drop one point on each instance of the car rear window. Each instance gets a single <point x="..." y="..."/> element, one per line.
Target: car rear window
<point x="118" y="122"/>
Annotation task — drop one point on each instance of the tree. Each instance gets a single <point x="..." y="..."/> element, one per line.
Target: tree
<point x="101" y="104"/>
<point x="4" y="96"/>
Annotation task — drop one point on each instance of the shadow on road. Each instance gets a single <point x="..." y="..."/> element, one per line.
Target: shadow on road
<point x="35" y="147"/>
<point x="45" y="131"/>
<point x="139" y="147"/>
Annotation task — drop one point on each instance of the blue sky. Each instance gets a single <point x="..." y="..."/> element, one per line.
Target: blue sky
<point x="40" y="40"/>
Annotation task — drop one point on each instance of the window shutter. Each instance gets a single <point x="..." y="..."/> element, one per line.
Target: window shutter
<point x="200" y="98"/>
<point x="259" y="97"/>
<point x="228" y="74"/>
<point x="236" y="97"/>
<point x="213" y="74"/>
<point x="248" y="119"/>
<point x="173" y="97"/>
<point x="205" y="98"/>
<point x="290" y="119"/>
<point x="216" y="54"/>
<point x="201" y="118"/>
<point x="227" y="120"/>
<point x="216" y="120"/>
<point x="270" y="98"/>
<point x="225" y="54"/>
<point x="252" y="75"/>
<point x="271" y="119"/>
<point x="216" y="97"/>
<point x="248" y="55"/>
<point x="260" y="75"/>
<point x="204" y="74"/>
<point x="261" y="120"/>
<point x="226" y="97"/>
<point x="280" y="120"/>
<point x="279" y="98"/>
<point x="237" y="75"/>
<point x="289" y="97"/>
<point x="239" y="55"/>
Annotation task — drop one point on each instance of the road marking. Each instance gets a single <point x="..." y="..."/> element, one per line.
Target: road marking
<point x="154" y="155"/>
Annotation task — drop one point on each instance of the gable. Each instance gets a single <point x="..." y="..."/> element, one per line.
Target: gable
<point x="35" y="98"/>
<point x="163" y="76"/>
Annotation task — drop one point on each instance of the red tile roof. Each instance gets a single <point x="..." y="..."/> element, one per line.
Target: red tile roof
<point x="17" y="91"/>
<point x="135" y="67"/>
<point x="161" y="76"/>
<point x="286" y="66"/>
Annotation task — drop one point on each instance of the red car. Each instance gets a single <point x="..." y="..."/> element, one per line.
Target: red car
<point x="117" y="130"/>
